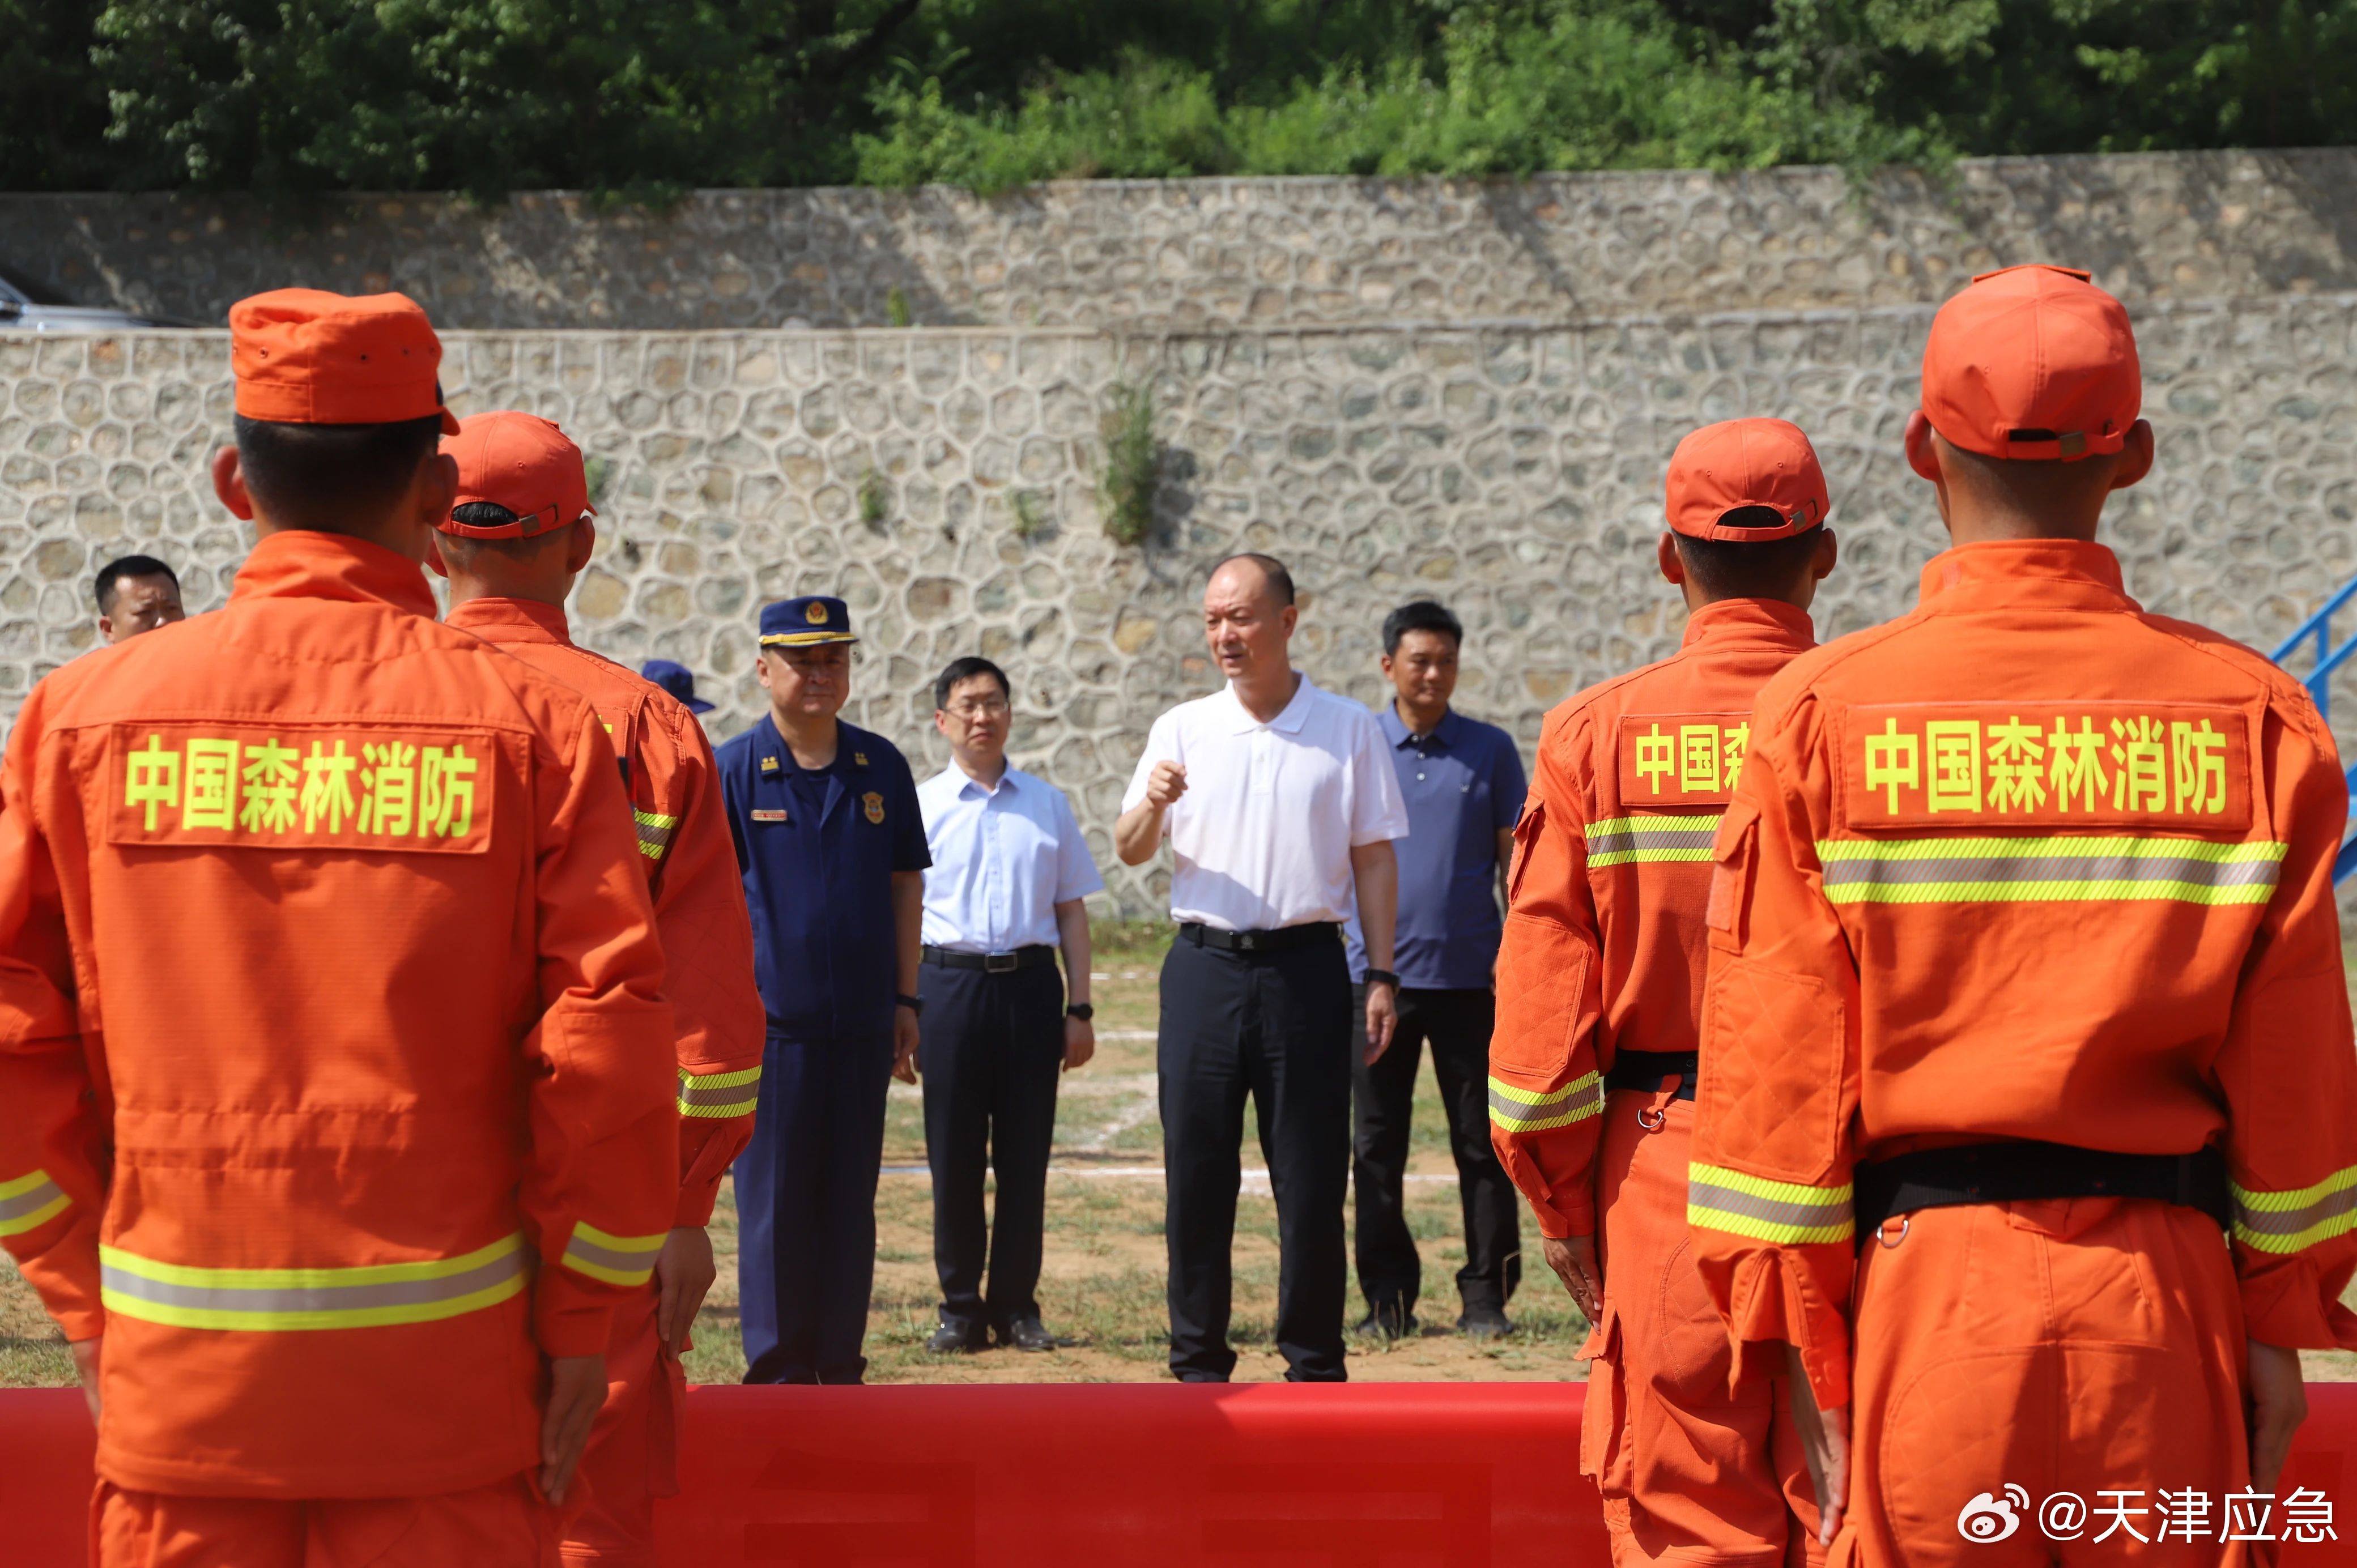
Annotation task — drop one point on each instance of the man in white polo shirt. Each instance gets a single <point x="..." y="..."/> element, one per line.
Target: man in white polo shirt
<point x="1009" y="872"/>
<point x="1280" y="804"/>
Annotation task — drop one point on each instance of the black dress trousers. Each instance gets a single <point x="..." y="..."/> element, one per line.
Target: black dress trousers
<point x="1456" y="1024"/>
<point x="990" y="1051"/>
<point x="1276" y="1026"/>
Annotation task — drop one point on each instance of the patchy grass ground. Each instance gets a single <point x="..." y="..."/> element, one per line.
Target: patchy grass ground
<point x="1103" y="1278"/>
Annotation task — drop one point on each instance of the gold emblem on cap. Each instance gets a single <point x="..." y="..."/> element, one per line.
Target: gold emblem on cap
<point x="815" y="614"/>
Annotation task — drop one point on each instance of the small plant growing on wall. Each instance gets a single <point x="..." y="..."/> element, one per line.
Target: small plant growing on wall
<point x="874" y="499"/>
<point x="1030" y="514"/>
<point x="599" y="472"/>
<point x="896" y="306"/>
<point x="1133" y="464"/>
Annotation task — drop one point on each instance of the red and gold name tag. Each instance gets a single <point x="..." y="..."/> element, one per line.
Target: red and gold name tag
<point x="1682" y="760"/>
<point x="343" y="786"/>
<point x="1999" y="765"/>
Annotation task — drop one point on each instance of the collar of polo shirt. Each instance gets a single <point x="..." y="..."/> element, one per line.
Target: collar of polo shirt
<point x="1396" y="730"/>
<point x="1295" y="712"/>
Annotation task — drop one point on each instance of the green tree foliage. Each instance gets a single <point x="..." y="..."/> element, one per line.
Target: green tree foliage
<point x="643" y="98"/>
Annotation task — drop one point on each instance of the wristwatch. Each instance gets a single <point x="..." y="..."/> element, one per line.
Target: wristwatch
<point x="1383" y="977"/>
<point x="1081" y="1010"/>
<point x="914" y="1003"/>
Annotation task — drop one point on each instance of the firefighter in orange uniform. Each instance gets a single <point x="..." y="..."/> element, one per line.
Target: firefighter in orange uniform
<point x="336" y="1080"/>
<point x="518" y="533"/>
<point x="1599" y="986"/>
<point x="2025" y="982"/>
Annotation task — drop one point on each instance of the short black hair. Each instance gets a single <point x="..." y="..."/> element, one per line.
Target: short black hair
<point x="113" y="572"/>
<point x="1749" y="569"/>
<point x="1421" y="615"/>
<point x="966" y="669"/>
<point x="460" y="548"/>
<point x="319" y="477"/>
<point x="1280" y="581"/>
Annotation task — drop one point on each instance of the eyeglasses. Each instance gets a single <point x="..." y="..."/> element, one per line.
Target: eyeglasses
<point x="987" y="708"/>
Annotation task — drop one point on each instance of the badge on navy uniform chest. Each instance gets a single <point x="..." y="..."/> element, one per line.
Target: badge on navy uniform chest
<point x="873" y="804"/>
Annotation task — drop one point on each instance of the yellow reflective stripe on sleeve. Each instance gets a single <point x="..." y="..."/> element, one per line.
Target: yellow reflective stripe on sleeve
<point x="2296" y="1220"/>
<point x="654" y="833"/>
<point x="269" y="1300"/>
<point x="1535" y="1110"/>
<point x="1627" y="840"/>
<point x="1786" y="1213"/>
<point x="30" y="1201"/>
<point x="718" y="1095"/>
<point x="616" y="1260"/>
<point x="2079" y="869"/>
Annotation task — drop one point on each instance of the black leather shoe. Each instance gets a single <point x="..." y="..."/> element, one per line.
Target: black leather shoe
<point x="1484" y="1323"/>
<point x="1027" y="1334"/>
<point x="954" y="1338"/>
<point x="1392" y="1319"/>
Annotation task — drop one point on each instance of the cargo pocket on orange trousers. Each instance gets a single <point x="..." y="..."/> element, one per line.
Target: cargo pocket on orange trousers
<point x="1603" y="1423"/>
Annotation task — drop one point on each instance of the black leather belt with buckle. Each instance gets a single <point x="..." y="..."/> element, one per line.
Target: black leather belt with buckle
<point x="993" y="962"/>
<point x="1281" y="939"/>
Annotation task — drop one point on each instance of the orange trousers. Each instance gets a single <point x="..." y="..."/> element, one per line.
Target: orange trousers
<point x="2073" y="1346"/>
<point x="503" y="1525"/>
<point x="1690" y="1473"/>
<point x="633" y="1454"/>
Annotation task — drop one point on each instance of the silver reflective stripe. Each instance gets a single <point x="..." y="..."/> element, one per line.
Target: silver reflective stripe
<point x="369" y="1295"/>
<point x="715" y="1095"/>
<point x="2293" y="1221"/>
<point x="1774" y="1211"/>
<point x="1530" y="1111"/>
<point x="616" y="1260"/>
<point x="2055" y="869"/>
<point x="30" y="1201"/>
<point x="1625" y="840"/>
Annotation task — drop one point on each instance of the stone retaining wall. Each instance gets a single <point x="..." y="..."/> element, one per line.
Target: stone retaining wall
<point x="1514" y="472"/>
<point x="1228" y="252"/>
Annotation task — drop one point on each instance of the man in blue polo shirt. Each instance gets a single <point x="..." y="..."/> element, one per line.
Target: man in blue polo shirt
<point x="1463" y="781"/>
<point x="832" y="844"/>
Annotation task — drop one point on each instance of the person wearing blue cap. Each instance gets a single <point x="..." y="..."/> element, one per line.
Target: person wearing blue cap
<point x="832" y="844"/>
<point x="679" y="681"/>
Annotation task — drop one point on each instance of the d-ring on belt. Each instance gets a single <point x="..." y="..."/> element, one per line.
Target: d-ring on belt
<point x="2017" y="1172"/>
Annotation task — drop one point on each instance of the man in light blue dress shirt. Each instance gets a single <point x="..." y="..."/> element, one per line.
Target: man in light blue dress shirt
<point x="1009" y="872"/>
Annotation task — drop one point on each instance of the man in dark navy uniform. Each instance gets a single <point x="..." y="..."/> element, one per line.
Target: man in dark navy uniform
<point x="832" y="844"/>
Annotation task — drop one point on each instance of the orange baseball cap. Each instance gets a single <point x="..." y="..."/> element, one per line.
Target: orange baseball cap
<point x="523" y="462"/>
<point x="2033" y="362"/>
<point x="1743" y="462"/>
<point x="303" y="356"/>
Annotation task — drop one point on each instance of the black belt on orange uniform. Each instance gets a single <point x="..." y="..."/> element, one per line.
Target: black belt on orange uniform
<point x="1284" y="939"/>
<point x="2019" y="1172"/>
<point x="992" y="962"/>
<point x="1646" y="1069"/>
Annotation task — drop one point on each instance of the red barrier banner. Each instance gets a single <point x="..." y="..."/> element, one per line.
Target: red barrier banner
<point x="1429" y="1474"/>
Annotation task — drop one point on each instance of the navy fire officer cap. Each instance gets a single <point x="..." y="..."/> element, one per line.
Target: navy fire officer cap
<point x="678" y="679"/>
<point x="805" y="622"/>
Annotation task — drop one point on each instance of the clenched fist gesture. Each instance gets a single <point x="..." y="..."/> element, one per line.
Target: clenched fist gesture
<point x="1165" y="784"/>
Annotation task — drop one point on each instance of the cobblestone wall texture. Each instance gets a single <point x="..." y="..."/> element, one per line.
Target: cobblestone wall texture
<point x="946" y="481"/>
<point x="1198" y="254"/>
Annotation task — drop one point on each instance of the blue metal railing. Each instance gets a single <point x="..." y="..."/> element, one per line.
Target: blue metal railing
<point x="2318" y="628"/>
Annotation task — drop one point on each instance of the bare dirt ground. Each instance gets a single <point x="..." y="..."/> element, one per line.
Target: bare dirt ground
<point x="1102" y="1283"/>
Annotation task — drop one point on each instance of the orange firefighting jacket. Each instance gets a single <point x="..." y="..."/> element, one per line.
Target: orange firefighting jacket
<point x="1603" y="947"/>
<point x="691" y="865"/>
<point x="2028" y="862"/>
<point x="334" y="1074"/>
